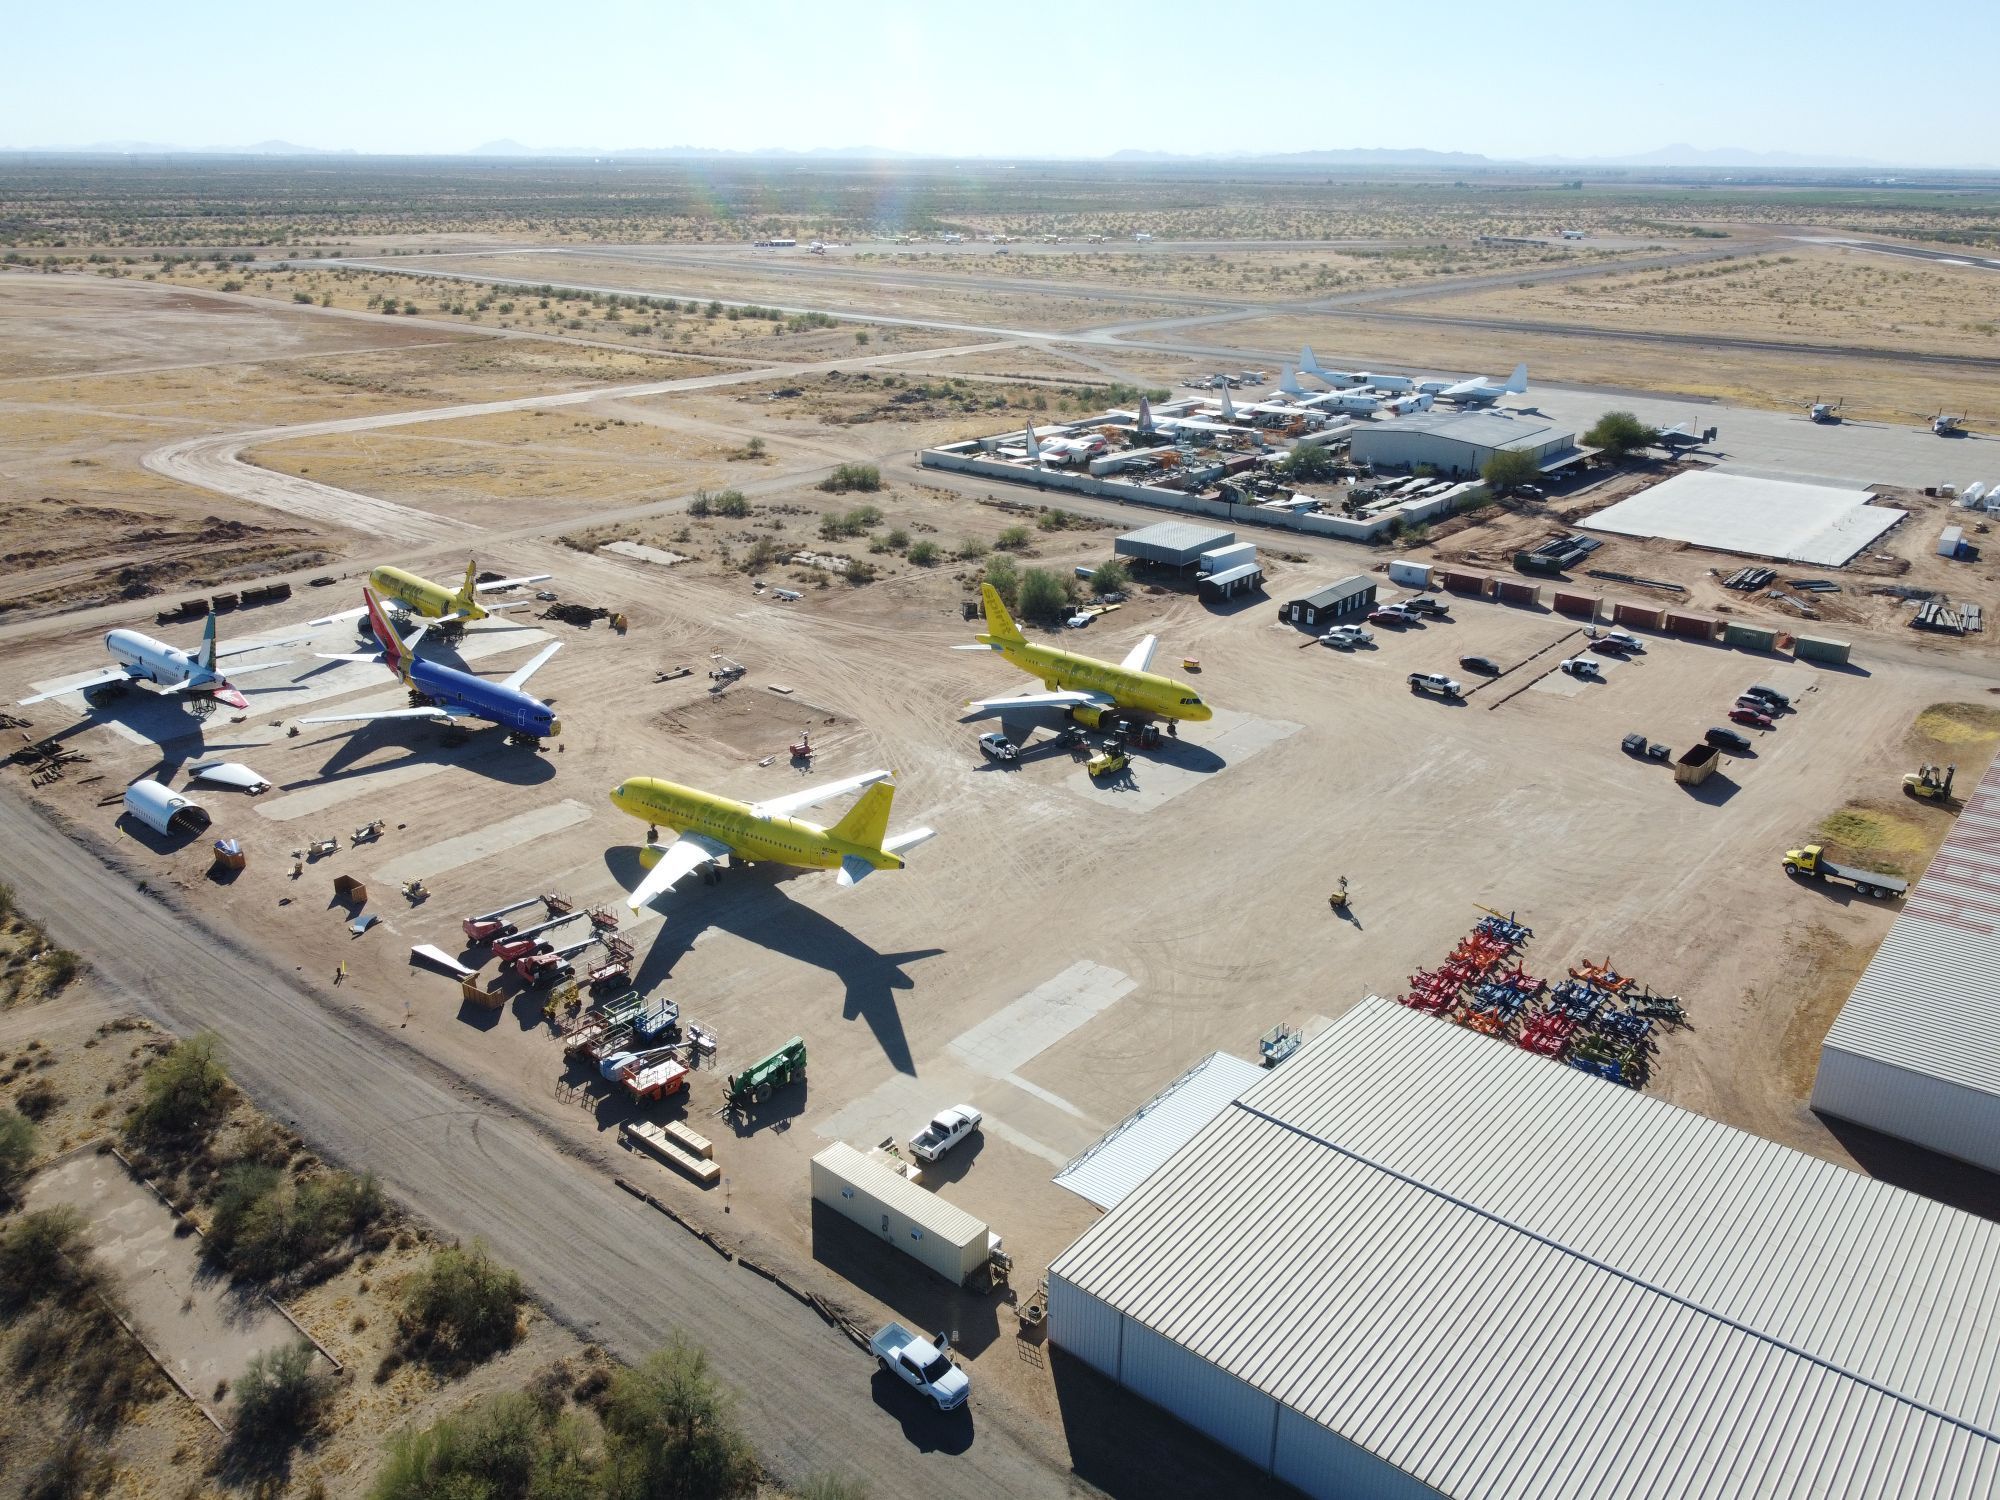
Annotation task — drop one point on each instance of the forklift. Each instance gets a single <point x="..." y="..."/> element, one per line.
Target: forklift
<point x="1931" y="783"/>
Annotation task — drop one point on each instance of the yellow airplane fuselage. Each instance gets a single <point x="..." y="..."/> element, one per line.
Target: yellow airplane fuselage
<point x="427" y="600"/>
<point x="1141" y="692"/>
<point x="781" y="841"/>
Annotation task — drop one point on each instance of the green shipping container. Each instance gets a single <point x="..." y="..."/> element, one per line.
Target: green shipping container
<point x="1749" y="637"/>
<point x="1819" y="648"/>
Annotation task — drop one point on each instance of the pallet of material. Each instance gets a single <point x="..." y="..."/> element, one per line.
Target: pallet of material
<point x="690" y="1141"/>
<point x="655" y="1141"/>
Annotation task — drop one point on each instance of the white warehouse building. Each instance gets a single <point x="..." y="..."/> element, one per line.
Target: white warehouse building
<point x="1915" y="1052"/>
<point x="1414" y="1261"/>
<point x="1459" y="443"/>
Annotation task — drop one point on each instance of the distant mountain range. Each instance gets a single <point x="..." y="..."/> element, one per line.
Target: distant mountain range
<point x="1680" y="155"/>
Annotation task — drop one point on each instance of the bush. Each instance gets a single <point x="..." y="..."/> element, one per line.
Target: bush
<point x="463" y="1303"/>
<point x="17" y="1148"/>
<point x="1014" y="539"/>
<point x="897" y="540"/>
<point x="732" y="503"/>
<point x="1508" y="468"/>
<point x="1110" y="577"/>
<point x="924" y="554"/>
<point x="669" y="1430"/>
<point x="864" y="477"/>
<point x="1620" y="434"/>
<point x="1308" y="463"/>
<point x="1005" y="578"/>
<point x="280" y="1396"/>
<point x="500" y="1447"/>
<point x="265" y="1225"/>
<point x="971" y="550"/>
<point x="42" y="1256"/>
<point x="1045" y="596"/>
<point x="37" y="1099"/>
<point x="860" y="572"/>
<point x="185" y="1091"/>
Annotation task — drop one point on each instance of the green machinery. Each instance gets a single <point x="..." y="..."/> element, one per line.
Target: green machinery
<point x="761" y="1079"/>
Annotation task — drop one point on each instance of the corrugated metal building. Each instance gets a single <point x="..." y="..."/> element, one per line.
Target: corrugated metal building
<point x="1459" y="443"/>
<point x="1172" y="544"/>
<point x="888" y="1205"/>
<point x="1348" y="599"/>
<point x="1135" y="1149"/>
<point x="1416" y="1261"/>
<point x="1915" y="1052"/>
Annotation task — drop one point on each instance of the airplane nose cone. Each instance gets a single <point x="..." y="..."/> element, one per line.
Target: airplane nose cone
<point x="1202" y="713"/>
<point x="555" y="726"/>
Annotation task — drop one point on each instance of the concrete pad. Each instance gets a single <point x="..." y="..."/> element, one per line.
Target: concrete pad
<point x="1006" y="1040"/>
<point x="1158" y="776"/>
<point x="482" y="843"/>
<point x="307" y="801"/>
<point x="1753" y="515"/>
<point x="640" y="552"/>
<point x="197" y="1324"/>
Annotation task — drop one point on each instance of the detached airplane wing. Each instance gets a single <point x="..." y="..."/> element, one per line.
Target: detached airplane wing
<point x="508" y="583"/>
<point x="108" y="675"/>
<point x="431" y="712"/>
<point x="1140" y="657"/>
<point x="679" y="859"/>
<point x="534" y="665"/>
<point x="1059" y="698"/>
<point x="791" y="802"/>
<point x="345" y="614"/>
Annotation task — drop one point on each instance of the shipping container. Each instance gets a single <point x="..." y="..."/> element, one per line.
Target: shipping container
<point x="1749" y="637"/>
<point x="894" y="1209"/>
<point x="1694" y="627"/>
<point x="1222" y="559"/>
<point x="1640" y="616"/>
<point x="1538" y="562"/>
<point x="1411" y="575"/>
<point x="1514" y="591"/>
<point x="1820" y="649"/>
<point x="1581" y="606"/>
<point x="1459" y="581"/>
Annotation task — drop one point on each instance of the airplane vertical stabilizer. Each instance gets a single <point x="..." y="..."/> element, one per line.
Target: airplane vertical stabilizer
<point x="468" y="593"/>
<point x="1517" y="383"/>
<point x="1145" y="415"/>
<point x="206" y="660"/>
<point x="1228" y="406"/>
<point x="1034" y="448"/>
<point x="394" y="652"/>
<point x="1289" y="383"/>
<point x="999" y="624"/>
<point x="867" y="822"/>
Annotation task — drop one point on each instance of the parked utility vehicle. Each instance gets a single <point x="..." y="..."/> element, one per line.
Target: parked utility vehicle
<point x="1435" y="683"/>
<point x="946" y="1130"/>
<point x="997" y="746"/>
<point x="1812" y="863"/>
<point x="921" y="1365"/>
<point x="1347" y="637"/>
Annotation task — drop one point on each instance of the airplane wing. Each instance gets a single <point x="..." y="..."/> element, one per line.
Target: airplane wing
<point x="791" y="802"/>
<point x="432" y="712"/>
<point x="258" y="666"/>
<point x="345" y="614"/>
<point x="508" y="583"/>
<point x="681" y="858"/>
<point x="1140" y="657"/>
<point x="109" y="674"/>
<point x="1059" y="698"/>
<point x="534" y="665"/>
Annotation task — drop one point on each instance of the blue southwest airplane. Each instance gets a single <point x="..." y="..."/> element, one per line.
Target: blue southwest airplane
<point x="452" y="693"/>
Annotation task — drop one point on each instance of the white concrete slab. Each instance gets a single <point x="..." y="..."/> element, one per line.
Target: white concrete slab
<point x="308" y="801"/>
<point x="1753" y="515"/>
<point x="482" y="843"/>
<point x="1006" y="1040"/>
<point x="1156" y="777"/>
<point x="640" y="552"/>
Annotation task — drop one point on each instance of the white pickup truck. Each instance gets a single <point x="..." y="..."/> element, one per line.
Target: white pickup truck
<point x="946" y="1130"/>
<point x="1436" y="683"/>
<point x="921" y="1364"/>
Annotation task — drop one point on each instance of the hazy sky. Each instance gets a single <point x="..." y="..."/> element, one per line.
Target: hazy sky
<point x="1571" y="77"/>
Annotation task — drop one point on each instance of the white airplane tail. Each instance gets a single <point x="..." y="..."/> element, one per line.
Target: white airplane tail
<point x="1307" y="362"/>
<point x="1145" y="415"/>
<point x="1289" y="382"/>
<point x="1517" y="383"/>
<point x="1034" y="448"/>
<point x="1228" y="406"/>
<point x="206" y="658"/>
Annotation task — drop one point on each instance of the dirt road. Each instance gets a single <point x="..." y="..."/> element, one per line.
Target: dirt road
<point x="603" y="1262"/>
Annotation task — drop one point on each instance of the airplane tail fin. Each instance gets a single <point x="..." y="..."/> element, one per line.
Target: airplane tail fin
<point x="1307" y="362"/>
<point x="1228" y="406"/>
<point x="207" y="657"/>
<point x="1518" y="381"/>
<point x="866" y="823"/>
<point x="1145" y="415"/>
<point x="999" y="624"/>
<point x="1289" y="384"/>
<point x="468" y="592"/>
<point x="394" y="652"/>
<point x="1034" y="448"/>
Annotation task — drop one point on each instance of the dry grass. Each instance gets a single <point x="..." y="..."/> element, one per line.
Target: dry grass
<point x="1957" y="724"/>
<point x="1813" y="296"/>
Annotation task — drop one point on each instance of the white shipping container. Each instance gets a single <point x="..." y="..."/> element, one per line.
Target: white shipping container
<point x="1224" y="558"/>
<point x="1414" y="575"/>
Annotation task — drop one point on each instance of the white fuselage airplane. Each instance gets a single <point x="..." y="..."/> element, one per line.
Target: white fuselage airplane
<point x="1339" y="380"/>
<point x="1479" y="391"/>
<point x="140" y="658"/>
<point x="1064" y="450"/>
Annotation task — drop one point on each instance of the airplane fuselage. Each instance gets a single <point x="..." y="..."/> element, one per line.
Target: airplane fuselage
<point x="738" y="826"/>
<point x="143" y="657"/>
<point x="420" y="596"/>
<point x="1142" y="692"/>
<point x="474" y="697"/>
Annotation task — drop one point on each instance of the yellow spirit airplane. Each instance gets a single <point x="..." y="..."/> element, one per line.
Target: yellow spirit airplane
<point x="1088" y="688"/>
<point x="433" y="601"/>
<point x="713" y="828"/>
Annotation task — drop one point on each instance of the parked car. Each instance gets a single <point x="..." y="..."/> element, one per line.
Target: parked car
<point x="1078" y="620"/>
<point x="996" y="746"/>
<point x="1751" y="717"/>
<point x="921" y="1365"/>
<point x="1779" y="702"/>
<point x="1756" y="705"/>
<point x="1622" y="638"/>
<point x="1435" y="683"/>
<point x="1423" y="604"/>
<point x="945" y="1130"/>
<point x="1347" y="637"/>
<point x="1391" y="617"/>
<point x="1605" y="646"/>
<point x="1583" y="667"/>
<point x="1728" y="739"/>
<point x="1485" y="666"/>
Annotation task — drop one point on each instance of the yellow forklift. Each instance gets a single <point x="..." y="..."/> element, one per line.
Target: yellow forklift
<point x="1932" y="783"/>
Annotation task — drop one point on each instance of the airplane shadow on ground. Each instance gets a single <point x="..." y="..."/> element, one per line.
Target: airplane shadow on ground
<point x="751" y="905"/>
<point x="486" y="753"/>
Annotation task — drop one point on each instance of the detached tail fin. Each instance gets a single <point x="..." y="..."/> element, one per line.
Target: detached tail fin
<point x="207" y="657"/>
<point x="999" y="624"/>
<point x="867" y="822"/>
<point x="1518" y="381"/>
<point x="394" y="652"/>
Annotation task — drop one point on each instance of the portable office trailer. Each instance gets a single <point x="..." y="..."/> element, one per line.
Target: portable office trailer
<point x="1950" y="540"/>
<point x="1411" y="575"/>
<point x="889" y="1206"/>
<point x="1821" y="649"/>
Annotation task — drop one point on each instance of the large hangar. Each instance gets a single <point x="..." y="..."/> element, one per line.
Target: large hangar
<point x="1460" y="443"/>
<point x="1415" y="1261"/>
<point x="1915" y="1052"/>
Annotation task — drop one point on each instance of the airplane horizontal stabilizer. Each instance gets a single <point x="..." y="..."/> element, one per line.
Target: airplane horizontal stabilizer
<point x="896" y="843"/>
<point x="852" y="868"/>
